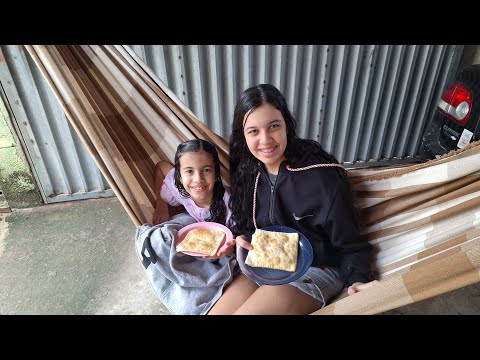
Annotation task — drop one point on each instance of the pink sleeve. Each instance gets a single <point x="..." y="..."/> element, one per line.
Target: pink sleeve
<point x="169" y="192"/>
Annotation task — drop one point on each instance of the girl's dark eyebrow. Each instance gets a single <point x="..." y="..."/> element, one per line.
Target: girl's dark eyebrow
<point x="270" y="123"/>
<point x="191" y="167"/>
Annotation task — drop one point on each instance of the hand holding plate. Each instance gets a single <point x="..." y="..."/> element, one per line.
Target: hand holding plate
<point x="242" y="241"/>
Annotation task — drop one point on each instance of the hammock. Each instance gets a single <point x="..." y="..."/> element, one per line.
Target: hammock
<point x="423" y="220"/>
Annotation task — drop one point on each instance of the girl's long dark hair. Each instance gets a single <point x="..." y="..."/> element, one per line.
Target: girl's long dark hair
<point x="218" y="210"/>
<point x="244" y="166"/>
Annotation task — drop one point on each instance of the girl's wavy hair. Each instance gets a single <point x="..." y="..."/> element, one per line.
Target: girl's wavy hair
<point x="218" y="209"/>
<point x="244" y="166"/>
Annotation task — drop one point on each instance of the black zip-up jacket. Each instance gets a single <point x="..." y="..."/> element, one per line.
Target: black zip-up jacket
<point x="318" y="203"/>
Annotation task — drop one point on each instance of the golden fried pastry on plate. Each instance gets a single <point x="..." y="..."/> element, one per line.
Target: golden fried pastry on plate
<point x="273" y="250"/>
<point x="202" y="241"/>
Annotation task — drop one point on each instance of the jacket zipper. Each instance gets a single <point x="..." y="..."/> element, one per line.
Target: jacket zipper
<point x="272" y="196"/>
<point x="272" y="202"/>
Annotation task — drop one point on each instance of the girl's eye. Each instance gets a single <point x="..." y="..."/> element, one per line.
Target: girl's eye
<point x="252" y="132"/>
<point x="274" y="126"/>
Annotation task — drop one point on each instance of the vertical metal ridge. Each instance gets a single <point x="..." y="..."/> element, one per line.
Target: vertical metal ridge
<point x="398" y="103"/>
<point x="358" y="114"/>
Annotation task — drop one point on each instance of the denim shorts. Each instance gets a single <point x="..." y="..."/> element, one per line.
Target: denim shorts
<point x="321" y="283"/>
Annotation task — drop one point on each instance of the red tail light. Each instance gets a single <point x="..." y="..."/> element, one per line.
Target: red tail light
<point x="456" y="103"/>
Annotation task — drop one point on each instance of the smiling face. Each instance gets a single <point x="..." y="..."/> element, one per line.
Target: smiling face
<point x="265" y="133"/>
<point x="197" y="175"/>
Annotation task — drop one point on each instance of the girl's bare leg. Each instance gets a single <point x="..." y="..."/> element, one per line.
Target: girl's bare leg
<point x="234" y="296"/>
<point x="278" y="300"/>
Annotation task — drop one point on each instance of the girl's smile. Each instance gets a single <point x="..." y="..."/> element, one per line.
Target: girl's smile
<point x="265" y="133"/>
<point x="197" y="175"/>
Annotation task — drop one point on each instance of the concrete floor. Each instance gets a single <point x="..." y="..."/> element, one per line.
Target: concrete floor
<point x="73" y="258"/>
<point x="78" y="258"/>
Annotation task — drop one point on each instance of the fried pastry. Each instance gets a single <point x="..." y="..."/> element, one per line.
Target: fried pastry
<point x="273" y="250"/>
<point x="202" y="241"/>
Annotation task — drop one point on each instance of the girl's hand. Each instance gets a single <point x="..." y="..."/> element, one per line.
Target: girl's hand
<point x="242" y="241"/>
<point x="224" y="252"/>
<point x="359" y="286"/>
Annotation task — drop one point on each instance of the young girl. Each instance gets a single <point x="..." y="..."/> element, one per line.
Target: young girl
<point x="194" y="183"/>
<point x="187" y="284"/>
<point x="280" y="179"/>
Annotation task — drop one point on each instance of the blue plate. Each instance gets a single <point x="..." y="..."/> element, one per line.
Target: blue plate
<point x="265" y="276"/>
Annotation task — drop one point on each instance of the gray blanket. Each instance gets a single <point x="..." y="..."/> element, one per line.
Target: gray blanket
<point x="186" y="285"/>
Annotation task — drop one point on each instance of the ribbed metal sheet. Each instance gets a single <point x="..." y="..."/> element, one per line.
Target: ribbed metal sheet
<point x="364" y="103"/>
<point x="60" y="163"/>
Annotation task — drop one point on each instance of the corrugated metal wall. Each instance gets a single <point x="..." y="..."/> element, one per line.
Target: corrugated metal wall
<point x="364" y="103"/>
<point x="361" y="102"/>
<point x="61" y="165"/>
